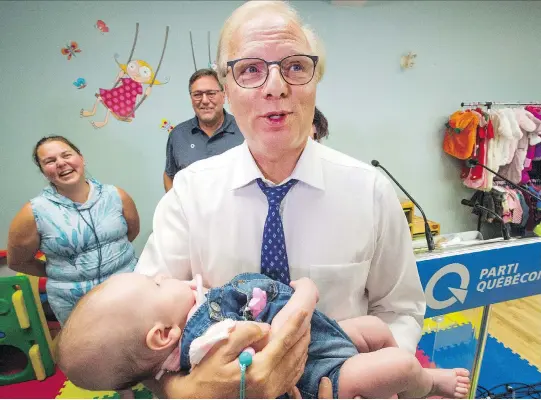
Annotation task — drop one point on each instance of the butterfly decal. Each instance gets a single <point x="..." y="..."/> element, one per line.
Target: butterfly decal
<point x="70" y="50"/>
<point x="102" y="26"/>
<point x="80" y="83"/>
<point x="166" y="125"/>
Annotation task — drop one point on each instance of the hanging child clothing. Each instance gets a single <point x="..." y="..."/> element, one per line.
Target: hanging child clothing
<point x="460" y="135"/>
<point x="505" y="140"/>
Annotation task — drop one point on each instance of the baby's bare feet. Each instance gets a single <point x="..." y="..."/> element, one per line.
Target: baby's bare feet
<point x="450" y="383"/>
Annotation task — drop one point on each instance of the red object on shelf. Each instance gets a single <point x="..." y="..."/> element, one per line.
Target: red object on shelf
<point x="41" y="284"/>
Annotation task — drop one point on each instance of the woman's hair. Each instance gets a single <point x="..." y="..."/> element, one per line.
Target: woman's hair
<point x="46" y="139"/>
<point x="321" y="124"/>
<point x="253" y="8"/>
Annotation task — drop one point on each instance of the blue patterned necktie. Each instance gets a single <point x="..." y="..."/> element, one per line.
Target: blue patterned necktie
<point x="273" y="248"/>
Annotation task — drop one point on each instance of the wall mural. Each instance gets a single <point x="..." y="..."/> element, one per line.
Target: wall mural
<point x="101" y="26"/>
<point x="166" y="125"/>
<point x="70" y="50"/>
<point x="127" y="94"/>
<point x="80" y="83"/>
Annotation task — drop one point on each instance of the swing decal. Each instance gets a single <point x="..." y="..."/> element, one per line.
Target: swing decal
<point x="211" y="64"/>
<point x="127" y="93"/>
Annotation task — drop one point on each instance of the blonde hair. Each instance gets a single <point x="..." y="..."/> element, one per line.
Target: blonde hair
<point x="142" y="63"/>
<point x="257" y="7"/>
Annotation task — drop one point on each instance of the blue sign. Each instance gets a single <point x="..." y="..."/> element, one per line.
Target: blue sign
<point x="480" y="276"/>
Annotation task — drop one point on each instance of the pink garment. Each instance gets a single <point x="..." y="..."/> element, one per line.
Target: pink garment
<point x="535" y="139"/>
<point x="220" y="331"/>
<point x="215" y="334"/>
<point x="513" y="170"/>
<point x="515" y="207"/>
<point x="258" y="302"/>
<point x="516" y="132"/>
<point x="121" y="100"/>
<point x="526" y="120"/>
<point x="172" y="362"/>
<point x="537" y="155"/>
<point x="536" y="111"/>
<point x="506" y="212"/>
<point x="502" y="129"/>
<point x="528" y="164"/>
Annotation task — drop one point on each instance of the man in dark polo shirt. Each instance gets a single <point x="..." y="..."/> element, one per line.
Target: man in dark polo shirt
<point x="211" y="132"/>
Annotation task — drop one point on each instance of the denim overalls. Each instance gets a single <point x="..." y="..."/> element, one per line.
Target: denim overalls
<point x="329" y="347"/>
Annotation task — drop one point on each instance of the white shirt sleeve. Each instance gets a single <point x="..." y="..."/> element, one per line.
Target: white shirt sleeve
<point x="395" y="293"/>
<point x="167" y="250"/>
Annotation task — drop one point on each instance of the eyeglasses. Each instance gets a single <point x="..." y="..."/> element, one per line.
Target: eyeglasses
<point x="198" y="96"/>
<point x="251" y="73"/>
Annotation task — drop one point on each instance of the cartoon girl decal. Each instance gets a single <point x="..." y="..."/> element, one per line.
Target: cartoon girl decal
<point x="122" y="100"/>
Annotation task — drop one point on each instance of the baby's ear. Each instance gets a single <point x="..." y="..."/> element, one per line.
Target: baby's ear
<point x="161" y="337"/>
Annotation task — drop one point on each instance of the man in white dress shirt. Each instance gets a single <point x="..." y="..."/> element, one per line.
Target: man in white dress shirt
<point x="343" y="224"/>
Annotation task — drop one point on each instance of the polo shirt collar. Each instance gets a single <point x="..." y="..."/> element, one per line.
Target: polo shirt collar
<point x="226" y="125"/>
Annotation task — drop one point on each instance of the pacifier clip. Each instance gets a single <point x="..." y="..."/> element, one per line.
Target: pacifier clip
<point x="245" y="359"/>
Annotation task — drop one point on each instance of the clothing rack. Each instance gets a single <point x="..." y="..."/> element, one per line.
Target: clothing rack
<point x="489" y="104"/>
<point x="483" y="329"/>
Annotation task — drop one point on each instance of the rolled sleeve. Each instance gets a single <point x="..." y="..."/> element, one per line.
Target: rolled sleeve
<point x="395" y="293"/>
<point x="167" y="250"/>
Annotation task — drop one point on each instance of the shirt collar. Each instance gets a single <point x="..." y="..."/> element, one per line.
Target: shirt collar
<point x="226" y="125"/>
<point x="308" y="169"/>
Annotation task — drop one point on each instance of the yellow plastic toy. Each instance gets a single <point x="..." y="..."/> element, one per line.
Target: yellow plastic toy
<point x="23" y="329"/>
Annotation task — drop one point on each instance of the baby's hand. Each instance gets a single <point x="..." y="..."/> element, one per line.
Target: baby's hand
<point x="307" y="285"/>
<point x="193" y="284"/>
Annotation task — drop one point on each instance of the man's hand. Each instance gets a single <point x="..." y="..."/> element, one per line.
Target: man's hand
<point x="275" y="368"/>
<point x="280" y="365"/>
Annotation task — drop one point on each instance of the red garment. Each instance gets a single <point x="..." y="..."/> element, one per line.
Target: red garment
<point x="490" y="130"/>
<point x="480" y="150"/>
<point x="481" y="156"/>
<point x="121" y="100"/>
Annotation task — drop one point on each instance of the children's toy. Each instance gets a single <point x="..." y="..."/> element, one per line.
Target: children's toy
<point x="23" y="331"/>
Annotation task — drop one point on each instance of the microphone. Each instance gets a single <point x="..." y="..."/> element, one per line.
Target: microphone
<point x="428" y="232"/>
<point x="505" y="231"/>
<point x="470" y="163"/>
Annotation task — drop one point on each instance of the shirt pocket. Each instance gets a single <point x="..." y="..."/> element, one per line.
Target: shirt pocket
<point x="341" y="287"/>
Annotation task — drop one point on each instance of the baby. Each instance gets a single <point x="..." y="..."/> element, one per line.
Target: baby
<point x="133" y="327"/>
